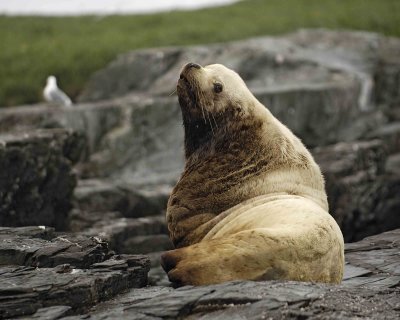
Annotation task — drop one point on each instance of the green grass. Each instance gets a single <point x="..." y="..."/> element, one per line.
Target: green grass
<point x="72" y="48"/>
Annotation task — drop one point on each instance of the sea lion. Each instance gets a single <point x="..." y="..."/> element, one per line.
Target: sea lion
<point x="251" y="202"/>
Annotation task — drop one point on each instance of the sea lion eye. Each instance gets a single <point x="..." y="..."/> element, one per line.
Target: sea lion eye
<point x="217" y="87"/>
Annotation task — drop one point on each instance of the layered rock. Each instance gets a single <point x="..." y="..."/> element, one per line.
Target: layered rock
<point x="370" y="290"/>
<point x="39" y="270"/>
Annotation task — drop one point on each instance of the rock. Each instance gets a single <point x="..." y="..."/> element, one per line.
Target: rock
<point x="390" y="133"/>
<point x="370" y="289"/>
<point x="68" y="273"/>
<point x="147" y="244"/>
<point x="32" y="249"/>
<point x="50" y="313"/>
<point x="393" y="164"/>
<point x="377" y="256"/>
<point x="251" y="300"/>
<point x="100" y="195"/>
<point x="82" y="220"/>
<point x="362" y="196"/>
<point x="92" y="120"/>
<point x="120" y="232"/>
<point x="388" y="73"/>
<point x="346" y="158"/>
<point x="128" y="73"/>
<point x="41" y="232"/>
<point x="24" y="290"/>
<point x="37" y="182"/>
<point x="318" y="82"/>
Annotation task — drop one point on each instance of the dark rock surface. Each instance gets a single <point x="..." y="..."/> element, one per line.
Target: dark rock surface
<point x="370" y="290"/>
<point x="39" y="269"/>
<point x="39" y="247"/>
<point x="362" y="193"/>
<point x="121" y="231"/>
<point x="36" y="179"/>
<point x="100" y="195"/>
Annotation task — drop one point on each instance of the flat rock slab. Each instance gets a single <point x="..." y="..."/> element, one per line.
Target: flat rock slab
<point x="23" y="290"/>
<point x="251" y="300"/>
<point x="370" y="290"/>
<point x="26" y="247"/>
<point x="39" y="269"/>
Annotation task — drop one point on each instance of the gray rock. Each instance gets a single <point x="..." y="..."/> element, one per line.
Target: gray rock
<point x="100" y="195"/>
<point x="370" y="289"/>
<point x="19" y="247"/>
<point x="55" y="276"/>
<point x="147" y="244"/>
<point x="318" y="82"/>
<point x="390" y="133"/>
<point x="50" y="313"/>
<point x="362" y="197"/>
<point x="82" y="220"/>
<point x="392" y="165"/>
<point x="118" y="232"/>
<point x="344" y="159"/>
<point x="24" y="290"/>
<point x="41" y="232"/>
<point x="36" y="182"/>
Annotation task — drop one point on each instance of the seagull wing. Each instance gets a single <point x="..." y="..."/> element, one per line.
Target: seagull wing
<point x="59" y="97"/>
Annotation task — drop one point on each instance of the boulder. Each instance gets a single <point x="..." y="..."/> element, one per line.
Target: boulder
<point x="36" y="180"/>
<point x="362" y="196"/>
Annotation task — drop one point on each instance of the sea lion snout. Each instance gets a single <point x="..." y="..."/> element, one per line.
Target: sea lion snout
<point x="192" y="65"/>
<point x="169" y="260"/>
<point x="187" y="67"/>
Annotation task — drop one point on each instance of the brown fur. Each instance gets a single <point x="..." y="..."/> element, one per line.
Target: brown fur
<point x="241" y="163"/>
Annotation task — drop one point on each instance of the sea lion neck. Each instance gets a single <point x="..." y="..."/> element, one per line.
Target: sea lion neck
<point x="214" y="129"/>
<point x="197" y="133"/>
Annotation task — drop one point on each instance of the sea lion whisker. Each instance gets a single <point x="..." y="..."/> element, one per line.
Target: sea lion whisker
<point x="215" y="122"/>
<point x="201" y="95"/>
<point x="209" y="120"/>
<point x="173" y="92"/>
<point x="207" y="113"/>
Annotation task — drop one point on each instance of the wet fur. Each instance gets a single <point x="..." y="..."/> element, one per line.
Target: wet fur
<point x="251" y="202"/>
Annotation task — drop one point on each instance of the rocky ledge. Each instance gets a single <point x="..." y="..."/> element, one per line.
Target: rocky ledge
<point x="370" y="290"/>
<point x="39" y="269"/>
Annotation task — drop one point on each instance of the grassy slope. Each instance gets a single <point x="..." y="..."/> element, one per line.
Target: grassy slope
<point x="74" y="47"/>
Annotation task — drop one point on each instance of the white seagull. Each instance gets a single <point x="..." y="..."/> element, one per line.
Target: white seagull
<point x="54" y="95"/>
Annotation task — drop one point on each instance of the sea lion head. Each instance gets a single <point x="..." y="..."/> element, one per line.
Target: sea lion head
<point x="211" y="98"/>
